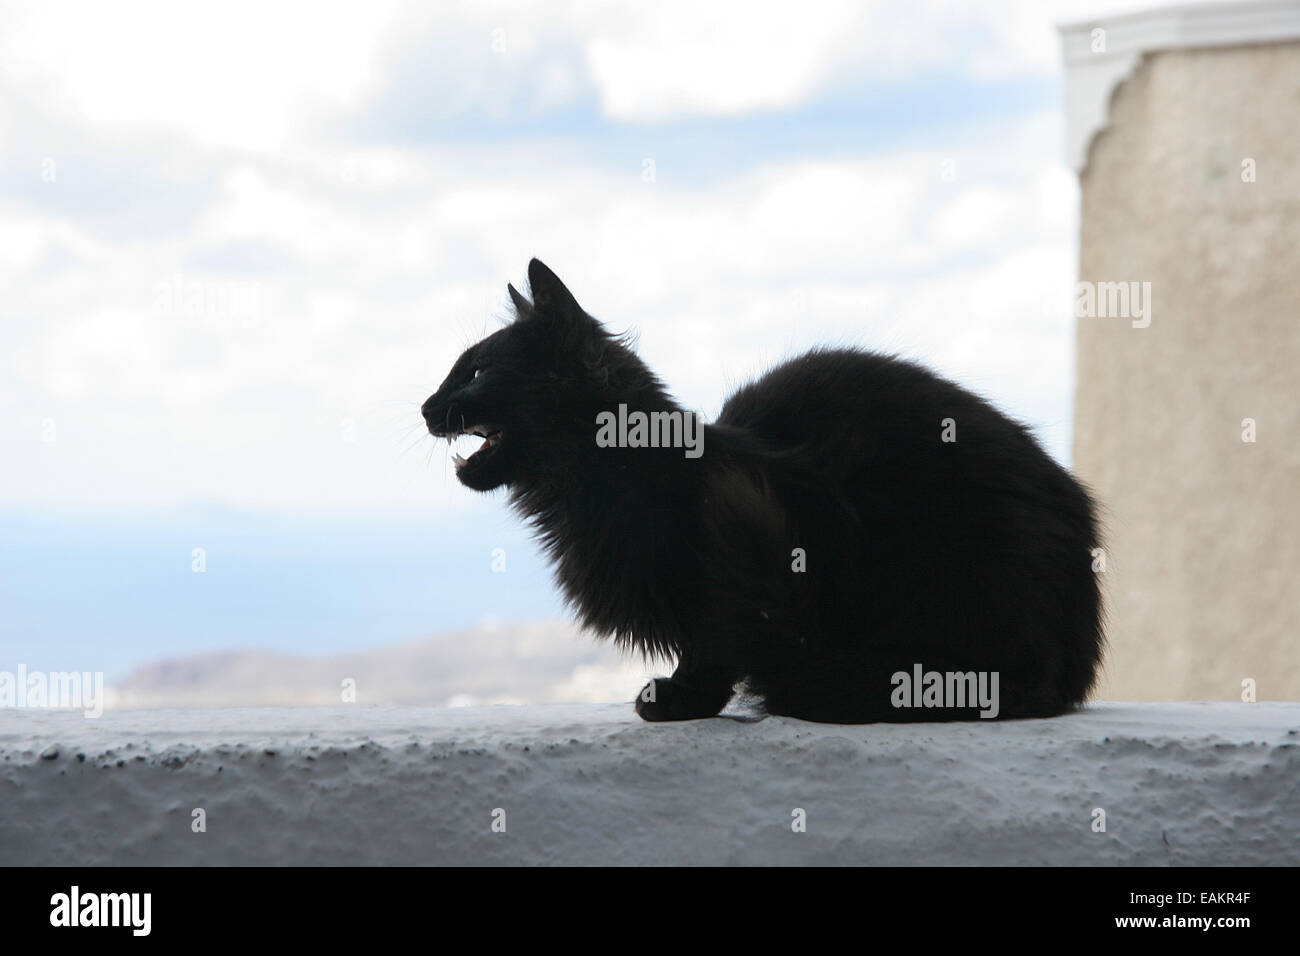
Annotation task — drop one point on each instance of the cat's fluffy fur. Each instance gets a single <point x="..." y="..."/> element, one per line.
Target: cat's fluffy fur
<point x="959" y="556"/>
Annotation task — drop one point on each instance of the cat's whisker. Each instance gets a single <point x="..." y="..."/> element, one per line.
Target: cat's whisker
<point x="408" y="448"/>
<point x="403" y="431"/>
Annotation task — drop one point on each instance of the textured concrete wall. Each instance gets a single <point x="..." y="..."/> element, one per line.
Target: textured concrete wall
<point x="1203" y="562"/>
<point x="593" y="785"/>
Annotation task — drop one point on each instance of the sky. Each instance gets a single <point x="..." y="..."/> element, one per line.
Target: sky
<point x="240" y="243"/>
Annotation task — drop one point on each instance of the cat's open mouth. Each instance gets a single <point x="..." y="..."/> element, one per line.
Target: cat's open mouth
<point x="491" y="436"/>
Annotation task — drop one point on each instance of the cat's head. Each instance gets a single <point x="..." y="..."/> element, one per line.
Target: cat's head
<point x="532" y="389"/>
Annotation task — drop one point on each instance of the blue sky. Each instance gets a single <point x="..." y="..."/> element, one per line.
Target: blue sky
<point x="339" y="194"/>
<point x="87" y="590"/>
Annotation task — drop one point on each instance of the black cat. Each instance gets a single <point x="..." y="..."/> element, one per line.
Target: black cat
<point x="851" y="533"/>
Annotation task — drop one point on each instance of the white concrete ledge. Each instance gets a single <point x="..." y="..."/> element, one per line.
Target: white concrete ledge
<point x="1097" y="63"/>
<point x="1180" y="784"/>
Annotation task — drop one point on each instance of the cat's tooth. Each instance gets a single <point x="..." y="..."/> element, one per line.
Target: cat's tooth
<point x="460" y="462"/>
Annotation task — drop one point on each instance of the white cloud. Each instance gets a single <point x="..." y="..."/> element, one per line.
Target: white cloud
<point x="257" y="76"/>
<point x="392" y="260"/>
<point x="720" y="282"/>
<point x="239" y="73"/>
<point x="665" y="60"/>
<point x="684" y="58"/>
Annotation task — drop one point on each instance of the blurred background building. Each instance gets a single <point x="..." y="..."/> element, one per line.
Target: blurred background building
<point x="1184" y="128"/>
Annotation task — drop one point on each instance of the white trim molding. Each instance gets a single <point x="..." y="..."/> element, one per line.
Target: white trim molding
<point x="1096" y="63"/>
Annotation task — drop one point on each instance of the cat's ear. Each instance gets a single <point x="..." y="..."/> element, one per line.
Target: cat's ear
<point x="549" y="294"/>
<point x="572" y="331"/>
<point x="523" y="308"/>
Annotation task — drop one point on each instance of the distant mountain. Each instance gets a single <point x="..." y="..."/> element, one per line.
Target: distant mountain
<point x="545" y="662"/>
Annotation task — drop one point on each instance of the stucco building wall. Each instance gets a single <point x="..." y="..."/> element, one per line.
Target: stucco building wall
<point x="1202" y="575"/>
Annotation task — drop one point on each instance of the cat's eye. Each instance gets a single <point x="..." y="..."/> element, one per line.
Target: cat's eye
<point x="476" y="371"/>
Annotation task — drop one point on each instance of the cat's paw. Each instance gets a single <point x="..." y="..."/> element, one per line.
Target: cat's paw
<point x="667" y="699"/>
